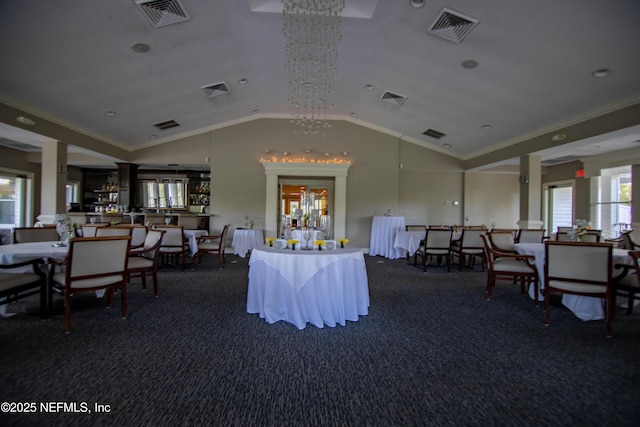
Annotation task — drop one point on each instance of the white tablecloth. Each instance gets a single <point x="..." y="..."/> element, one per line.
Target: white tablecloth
<point x="245" y="240"/>
<point x="408" y="241"/>
<point x="383" y="234"/>
<point x="318" y="287"/>
<point x="585" y="308"/>
<point x="192" y="239"/>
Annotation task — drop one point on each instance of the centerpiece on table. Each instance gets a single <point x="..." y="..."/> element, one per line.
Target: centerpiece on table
<point x="292" y="243"/>
<point x="270" y="241"/>
<point x="319" y="244"/>
<point x="343" y="242"/>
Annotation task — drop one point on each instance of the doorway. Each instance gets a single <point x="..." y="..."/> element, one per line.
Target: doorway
<point x="559" y="206"/>
<point x="302" y="198"/>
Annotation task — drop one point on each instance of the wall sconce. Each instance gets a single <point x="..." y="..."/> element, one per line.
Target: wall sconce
<point x="524" y="179"/>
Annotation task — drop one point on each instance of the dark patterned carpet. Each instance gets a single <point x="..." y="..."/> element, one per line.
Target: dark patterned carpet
<point x="431" y="352"/>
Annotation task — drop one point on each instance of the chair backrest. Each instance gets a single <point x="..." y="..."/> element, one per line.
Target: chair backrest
<point x="442" y="226"/>
<point x="631" y="239"/>
<point x="564" y="229"/>
<point x="592" y="236"/>
<point x="113" y="231"/>
<point x="415" y="227"/>
<point x="91" y="258"/>
<point x="173" y="237"/>
<point x="578" y="262"/>
<point x="223" y="236"/>
<point x="502" y="240"/>
<point x="34" y="234"/>
<point x="513" y="231"/>
<point x="438" y="239"/>
<point x="471" y="238"/>
<point x="152" y="243"/>
<point x="138" y="234"/>
<point x="529" y="235"/>
<point x="90" y="230"/>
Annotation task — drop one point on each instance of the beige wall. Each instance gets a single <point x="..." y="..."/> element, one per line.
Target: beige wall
<point x="492" y="199"/>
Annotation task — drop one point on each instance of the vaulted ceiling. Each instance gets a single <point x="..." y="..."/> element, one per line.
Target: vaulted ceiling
<point x="526" y="69"/>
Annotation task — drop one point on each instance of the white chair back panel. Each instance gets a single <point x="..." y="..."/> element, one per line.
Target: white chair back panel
<point x="472" y="239"/>
<point x="173" y="236"/>
<point x="98" y="256"/>
<point x="113" y="231"/>
<point x="138" y="235"/>
<point x="437" y="238"/>
<point x="503" y="241"/>
<point x="531" y="236"/>
<point x="582" y="262"/>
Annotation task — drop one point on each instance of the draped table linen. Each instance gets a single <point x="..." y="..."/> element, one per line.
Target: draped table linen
<point x="408" y="241"/>
<point x="383" y="234"/>
<point x="300" y="287"/>
<point x="192" y="239"/>
<point x="245" y="240"/>
<point x="585" y="308"/>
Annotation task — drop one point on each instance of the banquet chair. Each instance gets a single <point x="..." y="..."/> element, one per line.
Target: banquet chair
<point x="627" y="285"/>
<point x="90" y="230"/>
<point x="591" y="236"/>
<point x="436" y="243"/>
<point x="415" y="227"/>
<point x="503" y="241"/>
<point x="470" y="245"/>
<point x="212" y="245"/>
<point x="93" y="263"/>
<point x="509" y="266"/>
<point x="530" y="235"/>
<point x="631" y="240"/>
<point x="113" y="231"/>
<point x="579" y="268"/>
<point x="513" y="231"/>
<point x="17" y="285"/>
<point x="138" y="235"/>
<point x="144" y="261"/>
<point x="35" y="234"/>
<point x="564" y="229"/>
<point x="173" y="243"/>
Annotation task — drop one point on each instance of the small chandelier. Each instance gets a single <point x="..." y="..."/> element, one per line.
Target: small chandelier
<point x="312" y="32"/>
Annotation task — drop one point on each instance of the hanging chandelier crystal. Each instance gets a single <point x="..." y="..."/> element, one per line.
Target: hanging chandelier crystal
<point x="312" y="30"/>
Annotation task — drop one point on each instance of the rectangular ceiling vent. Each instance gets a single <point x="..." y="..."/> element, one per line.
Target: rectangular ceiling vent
<point x="167" y="125"/>
<point x="163" y="12"/>
<point x="433" y="133"/>
<point x="453" y="26"/>
<point x="393" y="98"/>
<point x="215" y="89"/>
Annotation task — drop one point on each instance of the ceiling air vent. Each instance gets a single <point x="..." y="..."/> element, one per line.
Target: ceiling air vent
<point x="453" y="26"/>
<point x="163" y="12"/>
<point x="215" y="89"/>
<point x="433" y="133"/>
<point x="393" y="98"/>
<point x="167" y="125"/>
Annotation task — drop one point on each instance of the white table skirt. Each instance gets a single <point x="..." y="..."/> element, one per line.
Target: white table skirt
<point x="192" y="239"/>
<point x="336" y="290"/>
<point x="245" y="240"/>
<point x="383" y="234"/>
<point x="408" y="241"/>
<point x="585" y="308"/>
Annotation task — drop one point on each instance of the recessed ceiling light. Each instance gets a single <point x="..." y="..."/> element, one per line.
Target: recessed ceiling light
<point x="369" y="87"/>
<point x="141" y="48"/>
<point x="446" y="145"/>
<point x="603" y="72"/>
<point x="286" y="153"/>
<point x="345" y="153"/>
<point x="307" y="150"/>
<point x="109" y="113"/>
<point x="486" y="127"/>
<point x="267" y="151"/>
<point x="256" y="111"/>
<point x="153" y="136"/>
<point x="242" y="81"/>
<point x="416" y="3"/>
<point x="25" y="121"/>
<point x="326" y="154"/>
<point x="559" y="137"/>
<point x="469" y="64"/>
<point x="355" y="115"/>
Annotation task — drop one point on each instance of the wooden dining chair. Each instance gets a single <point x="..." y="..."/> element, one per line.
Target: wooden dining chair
<point x="214" y="245"/>
<point x="113" y="231"/>
<point x="93" y="263"/>
<point x="503" y="241"/>
<point x="530" y="235"/>
<point x="143" y="262"/>
<point x="509" y="266"/>
<point x="470" y="245"/>
<point x="173" y="243"/>
<point x="35" y="234"/>
<point x="578" y="268"/>
<point x="627" y="284"/>
<point x="437" y="243"/>
<point x="18" y="281"/>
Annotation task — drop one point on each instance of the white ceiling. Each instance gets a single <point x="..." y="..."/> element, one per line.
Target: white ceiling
<point x="73" y="62"/>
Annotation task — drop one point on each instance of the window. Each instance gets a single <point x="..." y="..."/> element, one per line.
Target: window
<point x="14" y="206"/>
<point x="611" y="201"/>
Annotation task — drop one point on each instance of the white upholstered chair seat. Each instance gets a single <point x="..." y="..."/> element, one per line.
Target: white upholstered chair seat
<point x="512" y="265"/>
<point x="140" y="262"/>
<point x="10" y="280"/>
<point x="90" y="283"/>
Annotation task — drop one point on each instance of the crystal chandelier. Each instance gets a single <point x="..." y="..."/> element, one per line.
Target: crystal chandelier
<point x="312" y="32"/>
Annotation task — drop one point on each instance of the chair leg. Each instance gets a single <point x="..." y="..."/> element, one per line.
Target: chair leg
<point x="123" y="298"/>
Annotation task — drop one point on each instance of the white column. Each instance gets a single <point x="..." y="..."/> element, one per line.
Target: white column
<point x="53" y="180"/>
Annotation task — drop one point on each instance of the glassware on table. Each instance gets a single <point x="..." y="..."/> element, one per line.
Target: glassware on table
<point x="167" y="220"/>
<point x="307" y="236"/>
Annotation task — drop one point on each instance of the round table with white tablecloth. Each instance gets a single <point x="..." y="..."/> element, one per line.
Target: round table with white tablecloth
<point x="383" y="234"/>
<point x="246" y="239"/>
